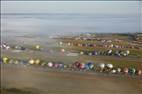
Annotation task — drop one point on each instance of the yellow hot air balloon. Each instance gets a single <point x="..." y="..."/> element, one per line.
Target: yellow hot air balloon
<point x="5" y="60"/>
<point x="37" y="61"/>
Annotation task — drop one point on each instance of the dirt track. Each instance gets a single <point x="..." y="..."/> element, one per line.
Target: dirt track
<point x="51" y="82"/>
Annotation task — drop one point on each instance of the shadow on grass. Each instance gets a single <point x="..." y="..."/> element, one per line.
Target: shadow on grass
<point x="14" y="91"/>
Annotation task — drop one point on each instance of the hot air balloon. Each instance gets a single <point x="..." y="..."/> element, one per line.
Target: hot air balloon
<point x="5" y="59"/>
<point x="90" y="53"/>
<point x="110" y="66"/>
<point x="31" y="61"/>
<point x="61" y="43"/>
<point x="81" y="52"/>
<point x="139" y="72"/>
<point x="82" y="66"/>
<point x="128" y="52"/>
<point x="37" y="47"/>
<point x="62" y="50"/>
<point x="50" y="64"/>
<point x="37" y="61"/>
<point x="118" y="70"/>
<point x="16" y="62"/>
<point x="89" y="65"/>
<point x="102" y="65"/>
<point x="113" y="71"/>
<point x="125" y="70"/>
<point x="69" y="44"/>
<point x="132" y="71"/>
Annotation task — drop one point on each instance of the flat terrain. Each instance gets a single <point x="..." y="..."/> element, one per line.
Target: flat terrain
<point x="32" y="80"/>
<point x="19" y="79"/>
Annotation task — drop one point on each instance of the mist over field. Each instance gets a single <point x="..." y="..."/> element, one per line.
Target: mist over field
<point x="65" y="23"/>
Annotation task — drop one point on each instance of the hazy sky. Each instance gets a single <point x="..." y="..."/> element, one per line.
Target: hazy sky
<point x="110" y="7"/>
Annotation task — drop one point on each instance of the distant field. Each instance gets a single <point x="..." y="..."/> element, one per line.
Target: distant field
<point x="133" y="60"/>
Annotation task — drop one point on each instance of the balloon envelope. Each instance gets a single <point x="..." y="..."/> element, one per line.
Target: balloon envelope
<point x="50" y="64"/>
<point x="110" y="66"/>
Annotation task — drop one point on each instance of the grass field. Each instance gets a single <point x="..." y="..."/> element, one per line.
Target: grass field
<point x="32" y="80"/>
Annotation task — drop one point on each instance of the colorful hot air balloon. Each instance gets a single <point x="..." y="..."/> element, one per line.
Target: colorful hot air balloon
<point x="82" y="66"/>
<point x="89" y="65"/>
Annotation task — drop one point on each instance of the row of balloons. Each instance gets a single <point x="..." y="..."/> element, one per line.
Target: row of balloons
<point x="88" y="66"/>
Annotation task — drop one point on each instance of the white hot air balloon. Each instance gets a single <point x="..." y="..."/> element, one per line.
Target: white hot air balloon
<point x="90" y="54"/>
<point x="118" y="70"/>
<point x="125" y="70"/>
<point x="102" y="65"/>
<point x="110" y="51"/>
<point x="31" y="61"/>
<point x="113" y="71"/>
<point x="81" y="52"/>
<point x="69" y="43"/>
<point x="128" y="52"/>
<point x="110" y="66"/>
<point x="62" y="50"/>
<point x="50" y="64"/>
<point x="61" y="43"/>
